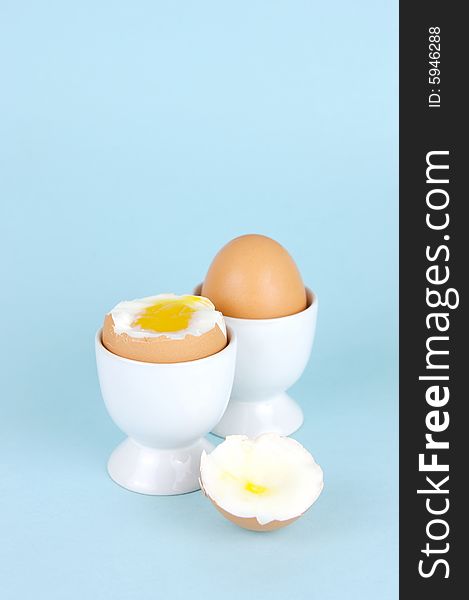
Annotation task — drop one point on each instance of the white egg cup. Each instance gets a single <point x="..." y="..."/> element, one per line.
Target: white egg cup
<point x="272" y="355"/>
<point x="166" y="410"/>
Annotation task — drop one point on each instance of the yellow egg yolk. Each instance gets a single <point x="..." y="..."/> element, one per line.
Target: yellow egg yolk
<point x="249" y="486"/>
<point x="254" y="488"/>
<point x="169" y="314"/>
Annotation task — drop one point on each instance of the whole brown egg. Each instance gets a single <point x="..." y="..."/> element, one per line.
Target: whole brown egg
<point x="254" y="277"/>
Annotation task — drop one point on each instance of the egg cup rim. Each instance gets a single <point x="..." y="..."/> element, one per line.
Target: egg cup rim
<point x="230" y="336"/>
<point x="311" y="305"/>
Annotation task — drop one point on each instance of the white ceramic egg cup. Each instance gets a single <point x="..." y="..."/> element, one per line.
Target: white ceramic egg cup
<point x="165" y="409"/>
<point x="272" y="355"/>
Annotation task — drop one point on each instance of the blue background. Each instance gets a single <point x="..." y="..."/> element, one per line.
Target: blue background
<point x="136" y="138"/>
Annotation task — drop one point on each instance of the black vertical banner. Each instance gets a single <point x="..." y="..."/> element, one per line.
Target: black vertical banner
<point x="434" y="256"/>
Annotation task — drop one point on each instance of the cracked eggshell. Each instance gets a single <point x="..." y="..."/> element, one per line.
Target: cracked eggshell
<point x="205" y="334"/>
<point x="262" y="484"/>
<point x="252" y="523"/>
<point x="162" y="349"/>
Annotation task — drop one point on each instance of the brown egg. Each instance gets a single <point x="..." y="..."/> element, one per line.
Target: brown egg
<point x="162" y="349"/>
<point x="178" y="345"/>
<point x="254" y="277"/>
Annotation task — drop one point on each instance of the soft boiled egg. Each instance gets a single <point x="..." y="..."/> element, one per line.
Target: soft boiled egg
<point x="263" y="483"/>
<point x="254" y="277"/>
<point x="164" y="329"/>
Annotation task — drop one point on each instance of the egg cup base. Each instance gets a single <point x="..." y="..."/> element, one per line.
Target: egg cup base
<point x="277" y="414"/>
<point x="157" y="472"/>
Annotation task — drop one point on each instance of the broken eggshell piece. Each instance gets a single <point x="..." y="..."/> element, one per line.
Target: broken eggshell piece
<point x="261" y="484"/>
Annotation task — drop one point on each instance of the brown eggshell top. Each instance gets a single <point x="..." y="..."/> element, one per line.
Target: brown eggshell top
<point x="162" y="349"/>
<point x="254" y="277"/>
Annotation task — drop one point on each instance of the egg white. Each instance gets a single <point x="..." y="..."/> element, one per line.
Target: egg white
<point x="291" y="478"/>
<point x="204" y="319"/>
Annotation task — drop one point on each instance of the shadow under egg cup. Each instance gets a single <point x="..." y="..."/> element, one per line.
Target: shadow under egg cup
<point x="272" y="355"/>
<point x="166" y="410"/>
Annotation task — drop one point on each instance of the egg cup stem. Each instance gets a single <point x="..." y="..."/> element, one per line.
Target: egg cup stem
<point x="157" y="471"/>
<point x="252" y="417"/>
<point x="166" y="410"/>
